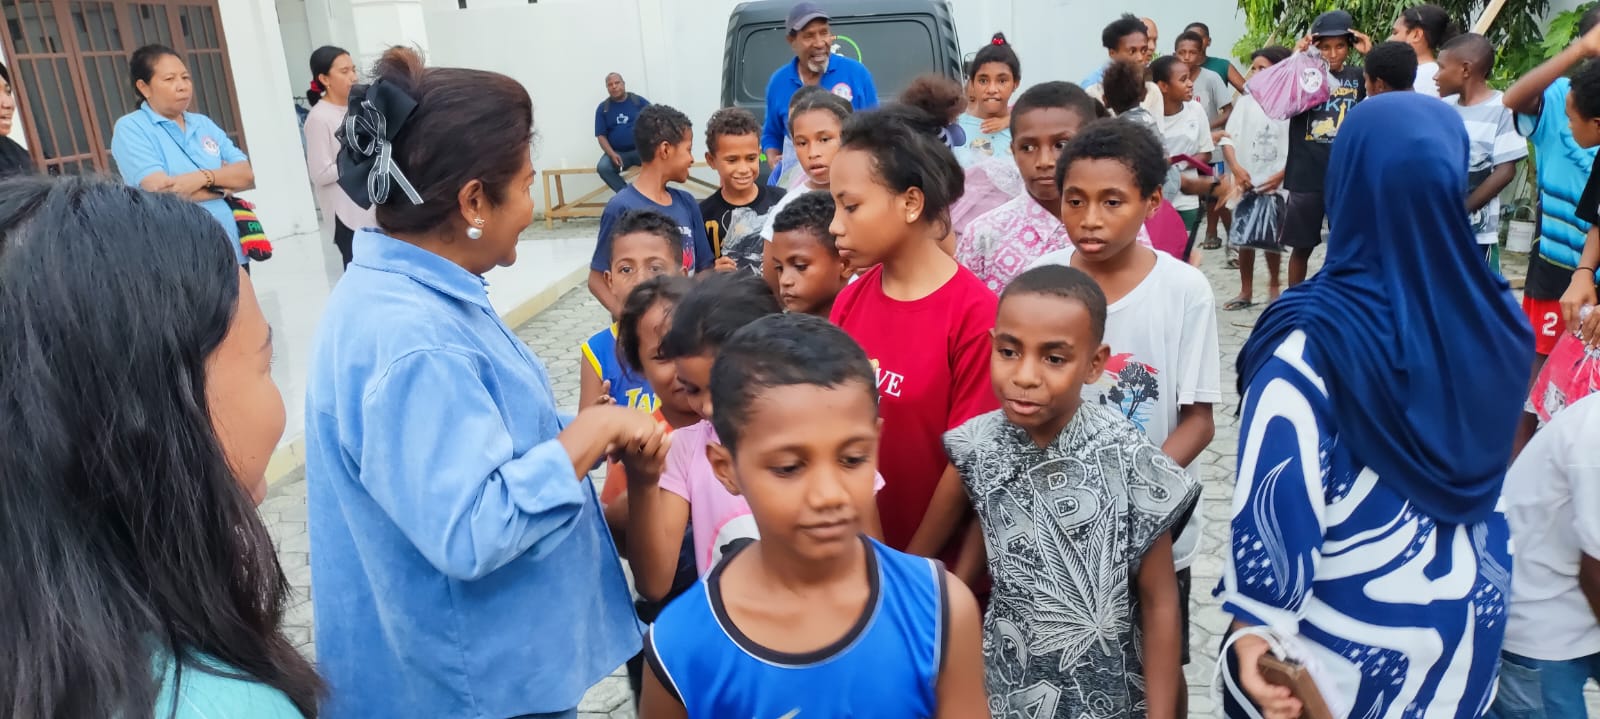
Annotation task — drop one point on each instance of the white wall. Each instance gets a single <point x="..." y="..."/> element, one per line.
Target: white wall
<point x="670" y="51"/>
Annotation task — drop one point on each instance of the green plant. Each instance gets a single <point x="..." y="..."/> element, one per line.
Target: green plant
<point x="1515" y="61"/>
<point x="1515" y="29"/>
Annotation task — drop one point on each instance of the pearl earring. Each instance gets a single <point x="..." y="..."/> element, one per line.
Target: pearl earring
<point x="475" y="233"/>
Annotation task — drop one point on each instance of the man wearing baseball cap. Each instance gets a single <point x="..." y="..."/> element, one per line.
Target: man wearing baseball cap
<point x="815" y="64"/>
<point x="1311" y="135"/>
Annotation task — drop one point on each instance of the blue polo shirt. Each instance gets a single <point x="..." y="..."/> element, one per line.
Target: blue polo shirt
<point x="144" y="143"/>
<point x="844" y="77"/>
<point x="615" y="121"/>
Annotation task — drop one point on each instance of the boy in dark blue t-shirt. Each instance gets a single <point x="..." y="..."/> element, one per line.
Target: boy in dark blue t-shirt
<point x="664" y="140"/>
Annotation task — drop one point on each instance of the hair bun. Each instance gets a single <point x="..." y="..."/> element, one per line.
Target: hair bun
<point x="999" y="39"/>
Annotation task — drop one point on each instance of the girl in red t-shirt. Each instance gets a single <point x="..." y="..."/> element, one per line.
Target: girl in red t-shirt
<point x="922" y="318"/>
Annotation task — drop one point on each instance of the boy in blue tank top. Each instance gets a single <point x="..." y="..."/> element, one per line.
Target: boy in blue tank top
<point x="645" y="244"/>
<point x="815" y="618"/>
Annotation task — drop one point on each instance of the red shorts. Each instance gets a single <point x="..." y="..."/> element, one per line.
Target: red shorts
<point x="1545" y="316"/>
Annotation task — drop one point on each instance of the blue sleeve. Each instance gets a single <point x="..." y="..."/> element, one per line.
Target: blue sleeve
<point x="446" y="473"/>
<point x="136" y="154"/>
<point x="600" y="120"/>
<point x="1552" y="115"/>
<point x="703" y="259"/>
<point x="601" y="261"/>
<point x="230" y="152"/>
<point x="643" y="103"/>
<point x="1277" y="526"/>
<point x="868" y="97"/>
<point x="773" y="132"/>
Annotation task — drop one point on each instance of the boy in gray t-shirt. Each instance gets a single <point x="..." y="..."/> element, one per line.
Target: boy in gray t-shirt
<point x="1495" y="147"/>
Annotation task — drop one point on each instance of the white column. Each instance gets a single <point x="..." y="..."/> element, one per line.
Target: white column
<point x="381" y="24"/>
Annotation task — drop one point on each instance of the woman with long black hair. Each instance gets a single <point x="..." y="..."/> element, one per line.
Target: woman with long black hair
<point x="333" y="73"/>
<point x="138" y="413"/>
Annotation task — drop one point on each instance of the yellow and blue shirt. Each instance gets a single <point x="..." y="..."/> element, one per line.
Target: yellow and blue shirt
<point x="628" y="388"/>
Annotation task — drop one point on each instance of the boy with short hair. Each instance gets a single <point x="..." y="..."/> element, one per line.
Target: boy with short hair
<point x="643" y="244"/>
<point x="1185" y="131"/>
<point x="1552" y="504"/>
<point x="1465" y="63"/>
<point x="1126" y="40"/>
<point x="1210" y="89"/>
<point x="1164" y="373"/>
<point x="814" y="618"/>
<point x="1077" y="507"/>
<point x="810" y="272"/>
<point x="664" y="140"/>
<point x="1311" y="135"/>
<point x="1391" y="67"/>
<point x="735" y="213"/>
<point x="1561" y="274"/>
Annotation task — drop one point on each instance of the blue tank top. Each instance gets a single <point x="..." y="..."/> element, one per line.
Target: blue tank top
<point x="628" y="388"/>
<point x="886" y="667"/>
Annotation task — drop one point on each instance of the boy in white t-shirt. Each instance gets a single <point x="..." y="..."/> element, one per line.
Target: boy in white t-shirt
<point x="1164" y="373"/>
<point x="1185" y="131"/>
<point x="1552" y="503"/>
<point x="1463" y="80"/>
<point x="1257" y="149"/>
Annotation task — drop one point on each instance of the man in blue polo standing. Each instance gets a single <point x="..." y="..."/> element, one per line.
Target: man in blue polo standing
<point x="815" y="64"/>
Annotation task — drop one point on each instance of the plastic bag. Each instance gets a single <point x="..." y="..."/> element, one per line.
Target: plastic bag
<point x="1292" y="86"/>
<point x="1258" y="222"/>
<point x="1571" y="373"/>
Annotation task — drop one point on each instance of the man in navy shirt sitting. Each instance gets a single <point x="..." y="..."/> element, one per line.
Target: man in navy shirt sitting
<point x="613" y="128"/>
<point x="815" y="64"/>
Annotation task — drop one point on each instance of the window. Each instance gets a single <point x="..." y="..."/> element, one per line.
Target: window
<point x="70" y="63"/>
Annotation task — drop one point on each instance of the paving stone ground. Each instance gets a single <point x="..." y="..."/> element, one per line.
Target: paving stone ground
<point x="555" y="335"/>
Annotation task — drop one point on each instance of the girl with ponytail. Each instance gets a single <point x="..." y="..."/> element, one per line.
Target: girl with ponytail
<point x="333" y="73"/>
<point x="992" y="76"/>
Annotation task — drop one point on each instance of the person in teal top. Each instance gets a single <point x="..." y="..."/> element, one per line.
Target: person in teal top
<point x="139" y="414"/>
<point x="992" y="76"/>
<point x="162" y="147"/>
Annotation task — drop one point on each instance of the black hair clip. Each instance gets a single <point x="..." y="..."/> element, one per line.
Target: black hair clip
<point x="377" y="114"/>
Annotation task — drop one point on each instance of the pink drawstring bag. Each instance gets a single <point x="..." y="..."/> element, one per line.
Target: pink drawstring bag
<point x="1571" y="373"/>
<point x="989" y="184"/>
<point x="1292" y="86"/>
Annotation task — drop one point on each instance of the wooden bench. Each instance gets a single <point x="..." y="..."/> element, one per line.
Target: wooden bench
<point x="592" y="204"/>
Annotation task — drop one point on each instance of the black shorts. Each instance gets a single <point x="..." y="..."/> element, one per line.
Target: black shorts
<point x="344" y="239"/>
<point x="1302" y="220"/>
<point x="1184" y="580"/>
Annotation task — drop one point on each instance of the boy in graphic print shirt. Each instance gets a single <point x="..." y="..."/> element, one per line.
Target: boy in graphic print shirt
<point x="1164" y="371"/>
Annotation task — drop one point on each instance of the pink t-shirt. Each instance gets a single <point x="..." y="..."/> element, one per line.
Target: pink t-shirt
<point x="719" y="518"/>
<point x="1003" y="242"/>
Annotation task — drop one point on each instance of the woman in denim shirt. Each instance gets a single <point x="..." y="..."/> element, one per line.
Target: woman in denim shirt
<point x="460" y="565"/>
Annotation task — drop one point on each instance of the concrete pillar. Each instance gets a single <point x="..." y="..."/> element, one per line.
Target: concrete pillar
<point x="378" y="25"/>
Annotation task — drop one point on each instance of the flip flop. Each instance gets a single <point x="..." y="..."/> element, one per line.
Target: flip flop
<point x="1211" y="243"/>
<point x="1238" y="304"/>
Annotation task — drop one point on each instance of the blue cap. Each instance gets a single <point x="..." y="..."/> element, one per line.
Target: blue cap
<point x="803" y="13"/>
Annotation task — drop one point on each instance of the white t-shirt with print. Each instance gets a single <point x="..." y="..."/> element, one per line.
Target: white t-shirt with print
<point x="1186" y="133"/>
<point x="1492" y="140"/>
<point x="1164" y="354"/>
<point x="1552" y="502"/>
<point x="1260" y="143"/>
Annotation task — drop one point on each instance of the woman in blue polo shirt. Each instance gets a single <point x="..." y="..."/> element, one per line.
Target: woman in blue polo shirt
<point x="161" y="147"/>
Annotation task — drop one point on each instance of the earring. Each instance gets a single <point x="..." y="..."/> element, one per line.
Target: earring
<point x="476" y="232"/>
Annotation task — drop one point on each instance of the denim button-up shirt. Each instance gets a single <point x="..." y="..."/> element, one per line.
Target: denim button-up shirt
<point x="459" y="568"/>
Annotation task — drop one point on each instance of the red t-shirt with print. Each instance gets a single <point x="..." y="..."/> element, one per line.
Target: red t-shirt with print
<point x="931" y="357"/>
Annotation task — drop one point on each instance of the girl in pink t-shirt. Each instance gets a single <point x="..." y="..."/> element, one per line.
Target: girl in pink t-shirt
<point x="923" y="319"/>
